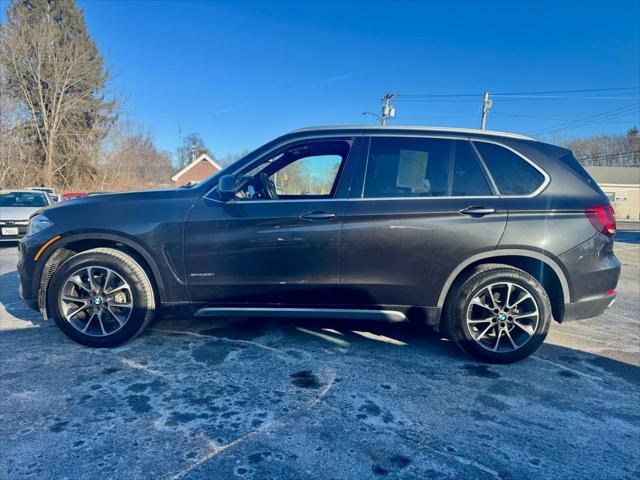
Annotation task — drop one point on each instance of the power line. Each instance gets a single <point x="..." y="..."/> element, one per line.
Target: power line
<point x="585" y="123"/>
<point x="567" y="97"/>
<point x="589" y="90"/>
<point x="516" y="98"/>
<point x="537" y="117"/>
<point x="609" y="93"/>
<point x="549" y="92"/>
<point x="592" y="119"/>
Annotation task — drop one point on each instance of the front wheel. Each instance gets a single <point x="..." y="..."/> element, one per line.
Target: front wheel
<point x="101" y="298"/>
<point x="498" y="314"/>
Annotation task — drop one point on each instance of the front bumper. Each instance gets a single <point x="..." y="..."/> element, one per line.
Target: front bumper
<point x="29" y="269"/>
<point x="588" y="308"/>
<point x="30" y="302"/>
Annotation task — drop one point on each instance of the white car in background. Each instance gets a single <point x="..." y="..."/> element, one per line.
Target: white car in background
<point x="16" y="206"/>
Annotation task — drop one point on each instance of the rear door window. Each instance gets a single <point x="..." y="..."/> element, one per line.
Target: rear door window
<point x="512" y="174"/>
<point x="422" y="167"/>
<point x="468" y="179"/>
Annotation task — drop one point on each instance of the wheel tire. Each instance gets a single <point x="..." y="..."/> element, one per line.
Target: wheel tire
<point x="142" y="295"/>
<point x="468" y="286"/>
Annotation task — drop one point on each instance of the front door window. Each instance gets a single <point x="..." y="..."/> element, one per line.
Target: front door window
<point x="307" y="171"/>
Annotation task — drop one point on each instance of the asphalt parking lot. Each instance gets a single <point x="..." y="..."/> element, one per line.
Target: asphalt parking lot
<point x="299" y="399"/>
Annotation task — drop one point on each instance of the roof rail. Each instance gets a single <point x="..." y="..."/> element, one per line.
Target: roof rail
<point x="471" y="131"/>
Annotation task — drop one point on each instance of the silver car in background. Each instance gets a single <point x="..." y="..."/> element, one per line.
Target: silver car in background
<point x="16" y="206"/>
<point x="50" y="191"/>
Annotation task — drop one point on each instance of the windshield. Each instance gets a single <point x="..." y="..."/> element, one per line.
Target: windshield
<point x="23" y="199"/>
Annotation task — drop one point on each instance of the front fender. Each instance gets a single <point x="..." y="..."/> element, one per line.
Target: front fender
<point x="169" y="287"/>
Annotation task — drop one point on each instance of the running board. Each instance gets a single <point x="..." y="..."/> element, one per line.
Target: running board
<point x="334" y="313"/>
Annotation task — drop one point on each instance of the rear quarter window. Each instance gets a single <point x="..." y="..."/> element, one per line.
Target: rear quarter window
<point x="512" y="174"/>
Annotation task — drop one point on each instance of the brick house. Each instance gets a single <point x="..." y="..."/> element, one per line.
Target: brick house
<point x="202" y="167"/>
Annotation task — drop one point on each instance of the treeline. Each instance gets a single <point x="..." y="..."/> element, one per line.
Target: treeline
<point x="58" y="126"/>
<point x="607" y="150"/>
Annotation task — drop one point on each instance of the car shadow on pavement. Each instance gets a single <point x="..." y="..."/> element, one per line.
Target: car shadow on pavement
<point x="11" y="301"/>
<point x="300" y="386"/>
<point x="388" y="345"/>
<point x="339" y="335"/>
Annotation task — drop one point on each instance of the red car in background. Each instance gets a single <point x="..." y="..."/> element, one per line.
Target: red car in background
<point x="69" y="196"/>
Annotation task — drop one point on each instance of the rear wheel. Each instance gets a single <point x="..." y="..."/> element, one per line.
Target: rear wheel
<point x="498" y="314"/>
<point x="101" y="298"/>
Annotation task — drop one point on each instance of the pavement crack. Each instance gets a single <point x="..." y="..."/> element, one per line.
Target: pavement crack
<point x="215" y="450"/>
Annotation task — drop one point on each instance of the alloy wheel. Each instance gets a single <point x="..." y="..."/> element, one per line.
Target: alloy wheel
<point x="96" y="301"/>
<point x="502" y="317"/>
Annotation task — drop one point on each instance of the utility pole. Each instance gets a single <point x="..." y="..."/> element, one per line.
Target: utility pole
<point x="180" y="159"/>
<point x="486" y="106"/>
<point x="388" y="110"/>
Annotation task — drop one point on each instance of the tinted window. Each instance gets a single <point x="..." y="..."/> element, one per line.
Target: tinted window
<point x="468" y="179"/>
<point x="421" y="167"/>
<point x="22" y="199"/>
<point x="512" y="174"/>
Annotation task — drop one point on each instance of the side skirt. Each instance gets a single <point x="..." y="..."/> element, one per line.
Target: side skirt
<point x="335" y="313"/>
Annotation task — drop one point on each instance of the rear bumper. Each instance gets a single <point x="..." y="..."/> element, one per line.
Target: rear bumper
<point x="592" y="273"/>
<point x="587" y="308"/>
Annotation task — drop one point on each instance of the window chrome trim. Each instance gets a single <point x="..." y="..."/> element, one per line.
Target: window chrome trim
<point x="535" y="193"/>
<point x="457" y="197"/>
<point x="285" y="144"/>
<point x="244" y="202"/>
<point x="395" y="134"/>
<point x="353" y="199"/>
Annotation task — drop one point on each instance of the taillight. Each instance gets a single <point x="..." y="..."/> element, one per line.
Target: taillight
<point x="602" y="218"/>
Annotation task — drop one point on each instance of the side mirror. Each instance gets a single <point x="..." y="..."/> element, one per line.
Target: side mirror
<point x="227" y="187"/>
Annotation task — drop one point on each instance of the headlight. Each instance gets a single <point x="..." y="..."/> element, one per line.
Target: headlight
<point x="38" y="223"/>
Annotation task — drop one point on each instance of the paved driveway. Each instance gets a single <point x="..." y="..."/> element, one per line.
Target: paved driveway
<point x="299" y="399"/>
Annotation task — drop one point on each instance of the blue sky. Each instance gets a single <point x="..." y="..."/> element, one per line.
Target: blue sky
<point x="241" y="73"/>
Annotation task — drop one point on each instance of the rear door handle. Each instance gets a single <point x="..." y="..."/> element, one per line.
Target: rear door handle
<point x="477" y="211"/>
<point x="317" y="216"/>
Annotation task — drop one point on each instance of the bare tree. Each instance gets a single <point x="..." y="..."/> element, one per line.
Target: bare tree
<point x="17" y="167"/>
<point x="232" y="157"/>
<point x="606" y="150"/>
<point x="130" y="159"/>
<point x="53" y="68"/>
<point x="191" y="145"/>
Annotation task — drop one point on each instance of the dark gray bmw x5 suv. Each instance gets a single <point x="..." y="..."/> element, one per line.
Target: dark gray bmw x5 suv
<point x="485" y="236"/>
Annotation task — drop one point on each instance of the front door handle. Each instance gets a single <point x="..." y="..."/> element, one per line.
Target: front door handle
<point x="317" y="216"/>
<point x="477" y="211"/>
